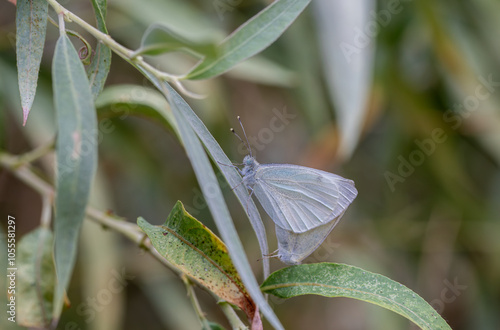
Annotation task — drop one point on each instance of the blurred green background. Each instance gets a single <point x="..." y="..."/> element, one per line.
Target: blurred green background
<point x="428" y="217"/>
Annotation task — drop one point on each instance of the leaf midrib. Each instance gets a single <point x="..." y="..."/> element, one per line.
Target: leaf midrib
<point x="220" y="59"/>
<point x="333" y="287"/>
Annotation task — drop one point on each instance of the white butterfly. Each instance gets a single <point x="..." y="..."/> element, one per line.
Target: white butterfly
<point x="304" y="203"/>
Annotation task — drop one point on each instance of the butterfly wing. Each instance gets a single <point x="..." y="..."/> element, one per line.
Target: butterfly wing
<point x="293" y="248"/>
<point x="300" y="198"/>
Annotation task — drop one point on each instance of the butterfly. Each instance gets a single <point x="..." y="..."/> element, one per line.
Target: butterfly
<point x="304" y="203"/>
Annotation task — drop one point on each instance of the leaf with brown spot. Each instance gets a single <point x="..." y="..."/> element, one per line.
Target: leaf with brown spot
<point x="197" y="252"/>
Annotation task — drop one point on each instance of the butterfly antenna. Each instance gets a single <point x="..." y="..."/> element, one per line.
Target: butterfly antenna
<point x="245" y="134"/>
<point x="239" y="138"/>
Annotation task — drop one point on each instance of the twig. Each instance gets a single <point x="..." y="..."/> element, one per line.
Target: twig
<point x="195" y="303"/>
<point x="37" y="153"/>
<point x="122" y="51"/>
<point x="231" y="316"/>
<point x="25" y="173"/>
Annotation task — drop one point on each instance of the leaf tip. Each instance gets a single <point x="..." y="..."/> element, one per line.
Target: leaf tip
<point x="26" y="112"/>
<point x="142" y="223"/>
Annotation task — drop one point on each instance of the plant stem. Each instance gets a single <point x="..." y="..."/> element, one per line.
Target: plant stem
<point x="232" y="317"/>
<point x="37" y="153"/>
<point x="195" y="303"/>
<point x="26" y="174"/>
<point x="122" y="51"/>
<point x="46" y="212"/>
<point x="62" y="29"/>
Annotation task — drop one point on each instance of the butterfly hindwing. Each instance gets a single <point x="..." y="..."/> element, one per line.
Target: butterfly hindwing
<point x="293" y="248"/>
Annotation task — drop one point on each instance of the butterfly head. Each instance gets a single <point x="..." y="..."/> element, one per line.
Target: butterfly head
<point x="250" y="161"/>
<point x="250" y="165"/>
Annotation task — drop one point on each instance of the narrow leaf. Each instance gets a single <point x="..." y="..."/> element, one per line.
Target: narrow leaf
<point x="230" y="174"/>
<point x="197" y="252"/>
<point x="212" y="192"/>
<point x="348" y="57"/>
<point x="250" y="38"/>
<point x="31" y="25"/>
<point x="35" y="279"/>
<point x="338" y="280"/>
<point x="159" y="39"/>
<point x="101" y="62"/>
<point x="76" y="157"/>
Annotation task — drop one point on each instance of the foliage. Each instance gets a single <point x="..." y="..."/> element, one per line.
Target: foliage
<point x="412" y="86"/>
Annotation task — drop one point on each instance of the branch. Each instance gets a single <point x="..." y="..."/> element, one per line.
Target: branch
<point x="25" y="173"/>
<point x="106" y="39"/>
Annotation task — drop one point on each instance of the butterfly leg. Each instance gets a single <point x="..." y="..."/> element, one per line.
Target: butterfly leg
<point x="239" y="184"/>
<point x="249" y="198"/>
<point x="270" y="255"/>
<point x="232" y="165"/>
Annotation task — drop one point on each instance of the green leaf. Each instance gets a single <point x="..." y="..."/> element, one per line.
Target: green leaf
<point x="76" y="157"/>
<point x="101" y="62"/>
<point x="250" y="38"/>
<point x="234" y="180"/>
<point x="132" y="100"/>
<point x="31" y="25"/>
<point x="189" y="125"/>
<point x="214" y="326"/>
<point x="35" y="279"/>
<point x="159" y="39"/>
<point x="197" y="252"/>
<point x="338" y="280"/>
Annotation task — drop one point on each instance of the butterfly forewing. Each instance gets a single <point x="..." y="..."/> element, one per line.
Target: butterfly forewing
<point x="300" y="198"/>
